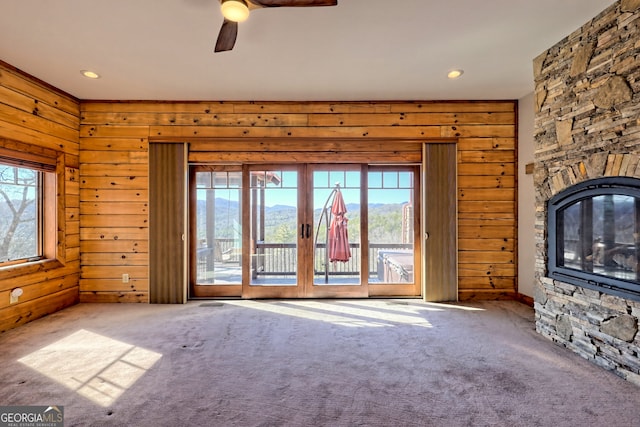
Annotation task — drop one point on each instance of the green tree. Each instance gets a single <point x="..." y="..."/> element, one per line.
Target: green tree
<point x="282" y="234"/>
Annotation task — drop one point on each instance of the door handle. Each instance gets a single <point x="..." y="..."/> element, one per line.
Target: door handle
<point x="308" y="230"/>
<point x="302" y="231"/>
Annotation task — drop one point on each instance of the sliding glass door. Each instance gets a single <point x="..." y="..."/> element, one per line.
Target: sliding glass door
<point x="393" y="208"/>
<point x="274" y="231"/>
<point x="335" y="215"/>
<point x="215" y="212"/>
<point x="304" y="231"/>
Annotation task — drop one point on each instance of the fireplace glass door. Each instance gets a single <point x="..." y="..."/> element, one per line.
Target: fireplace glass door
<point x="600" y="235"/>
<point x="594" y="235"/>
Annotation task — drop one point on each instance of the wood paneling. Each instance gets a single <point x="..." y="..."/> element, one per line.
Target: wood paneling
<point x="114" y="147"/>
<point x="45" y="122"/>
<point x="114" y="233"/>
<point x="106" y="210"/>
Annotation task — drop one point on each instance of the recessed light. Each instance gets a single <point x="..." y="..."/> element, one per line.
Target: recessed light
<point x="90" y="74"/>
<point x="454" y="74"/>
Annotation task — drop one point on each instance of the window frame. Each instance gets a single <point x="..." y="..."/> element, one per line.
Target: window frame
<point x="51" y="194"/>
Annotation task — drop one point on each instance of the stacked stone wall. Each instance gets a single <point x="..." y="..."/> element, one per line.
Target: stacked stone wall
<point x="587" y="125"/>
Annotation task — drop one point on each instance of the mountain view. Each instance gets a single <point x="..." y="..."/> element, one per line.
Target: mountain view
<point x="385" y="221"/>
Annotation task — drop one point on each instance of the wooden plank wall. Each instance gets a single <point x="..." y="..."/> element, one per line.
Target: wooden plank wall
<point x="33" y="113"/>
<point x="114" y="139"/>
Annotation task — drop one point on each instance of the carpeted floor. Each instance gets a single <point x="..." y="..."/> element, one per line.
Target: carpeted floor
<point x="307" y="363"/>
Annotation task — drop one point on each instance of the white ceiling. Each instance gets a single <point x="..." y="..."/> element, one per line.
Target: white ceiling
<point x="358" y="50"/>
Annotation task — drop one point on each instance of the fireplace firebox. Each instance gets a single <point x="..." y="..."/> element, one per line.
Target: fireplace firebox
<point x="594" y="236"/>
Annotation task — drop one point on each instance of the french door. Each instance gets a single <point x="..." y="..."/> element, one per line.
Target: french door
<point x="304" y="231"/>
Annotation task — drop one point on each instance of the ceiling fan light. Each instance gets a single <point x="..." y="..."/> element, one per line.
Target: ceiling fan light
<point x="235" y="10"/>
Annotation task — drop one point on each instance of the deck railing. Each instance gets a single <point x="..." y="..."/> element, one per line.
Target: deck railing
<point x="279" y="259"/>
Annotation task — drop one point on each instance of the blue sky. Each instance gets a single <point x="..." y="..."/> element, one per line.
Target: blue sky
<point x="384" y="188"/>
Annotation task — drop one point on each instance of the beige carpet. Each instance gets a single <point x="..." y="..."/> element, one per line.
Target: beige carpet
<point x="307" y="363"/>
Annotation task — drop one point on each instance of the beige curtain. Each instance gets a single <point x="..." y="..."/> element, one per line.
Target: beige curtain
<point x="440" y="220"/>
<point x="167" y="223"/>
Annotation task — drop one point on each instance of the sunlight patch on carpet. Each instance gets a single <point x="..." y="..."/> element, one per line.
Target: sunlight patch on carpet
<point x="449" y="306"/>
<point x="414" y="306"/>
<point x="372" y="315"/>
<point x="96" y="367"/>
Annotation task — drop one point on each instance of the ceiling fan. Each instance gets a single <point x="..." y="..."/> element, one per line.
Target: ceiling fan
<point x="235" y="11"/>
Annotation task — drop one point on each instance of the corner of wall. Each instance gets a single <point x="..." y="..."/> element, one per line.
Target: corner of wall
<point x="526" y="197"/>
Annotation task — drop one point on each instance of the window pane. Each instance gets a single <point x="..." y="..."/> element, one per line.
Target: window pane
<point x="19" y="213"/>
<point x="336" y="232"/>
<point x="218" y="228"/>
<point x="405" y="179"/>
<point x="203" y="180"/>
<point x="273" y="228"/>
<point x="321" y="178"/>
<point x="289" y="179"/>
<point x="352" y="179"/>
<point x="391" y="230"/>
<point x="390" y="179"/>
<point x="375" y="179"/>
<point x="220" y="179"/>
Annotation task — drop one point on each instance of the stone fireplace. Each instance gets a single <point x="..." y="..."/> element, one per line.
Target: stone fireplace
<point x="587" y="137"/>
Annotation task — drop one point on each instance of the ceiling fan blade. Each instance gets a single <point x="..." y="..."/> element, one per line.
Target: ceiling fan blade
<point x="293" y="3"/>
<point x="227" y="36"/>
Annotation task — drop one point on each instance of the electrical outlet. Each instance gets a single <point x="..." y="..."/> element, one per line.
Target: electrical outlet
<point x="125" y="278"/>
<point x="15" y="295"/>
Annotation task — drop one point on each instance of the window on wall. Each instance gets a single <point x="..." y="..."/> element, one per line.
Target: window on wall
<point x="20" y="213"/>
<point x="28" y="207"/>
